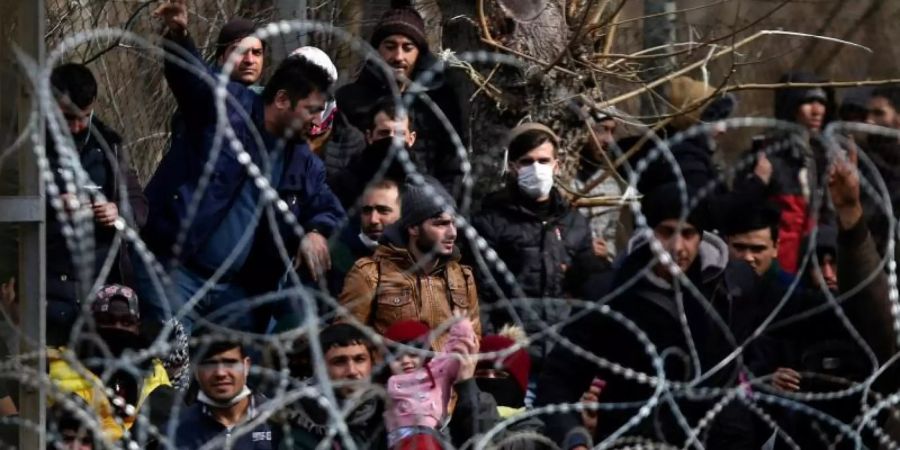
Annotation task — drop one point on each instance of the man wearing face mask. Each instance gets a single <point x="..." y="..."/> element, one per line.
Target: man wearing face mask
<point x="110" y="191"/>
<point x="117" y="319"/>
<point x="224" y="404"/>
<point x="536" y="233"/>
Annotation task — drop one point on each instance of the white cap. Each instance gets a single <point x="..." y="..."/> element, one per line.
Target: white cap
<point x="316" y="56"/>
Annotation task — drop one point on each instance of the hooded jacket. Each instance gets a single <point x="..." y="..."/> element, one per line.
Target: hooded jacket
<point x="798" y="170"/>
<point x="649" y="302"/>
<point x="388" y="287"/>
<point x="433" y="153"/>
<point x="540" y="253"/>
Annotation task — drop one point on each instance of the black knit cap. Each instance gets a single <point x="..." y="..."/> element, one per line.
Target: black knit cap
<point x="421" y="202"/>
<point x="403" y="20"/>
<point x="664" y="202"/>
<point x="235" y="30"/>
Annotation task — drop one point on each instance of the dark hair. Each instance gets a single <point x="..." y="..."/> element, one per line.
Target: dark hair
<point x="890" y="93"/>
<point x="744" y="217"/>
<point x="76" y="82"/>
<point x="528" y="141"/>
<point x="205" y="349"/>
<point x="344" y="335"/>
<point x="299" y="77"/>
<point x="388" y="106"/>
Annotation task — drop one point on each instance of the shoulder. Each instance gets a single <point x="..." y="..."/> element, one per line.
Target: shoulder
<point x="109" y="135"/>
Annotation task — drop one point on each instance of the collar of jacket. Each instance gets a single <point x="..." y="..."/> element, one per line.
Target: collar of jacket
<point x="372" y="74"/>
<point x="404" y="259"/>
<point x="509" y="199"/>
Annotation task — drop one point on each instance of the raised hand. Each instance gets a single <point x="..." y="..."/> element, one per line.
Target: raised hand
<point x="843" y="185"/>
<point x="174" y="14"/>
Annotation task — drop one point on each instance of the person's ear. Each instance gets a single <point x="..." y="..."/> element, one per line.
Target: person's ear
<point x="411" y="138"/>
<point x="246" y="366"/>
<point x="282" y="100"/>
<point x="369" y="137"/>
<point x="413" y="231"/>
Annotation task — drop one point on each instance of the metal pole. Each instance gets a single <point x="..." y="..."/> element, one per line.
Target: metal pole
<point x="27" y="209"/>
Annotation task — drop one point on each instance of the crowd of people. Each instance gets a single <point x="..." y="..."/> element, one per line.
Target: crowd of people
<point x="299" y="280"/>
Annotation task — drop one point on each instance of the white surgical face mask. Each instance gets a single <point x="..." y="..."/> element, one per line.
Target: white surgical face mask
<point x="536" y="180"/>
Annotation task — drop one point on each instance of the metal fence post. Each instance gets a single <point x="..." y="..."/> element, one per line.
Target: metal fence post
<point x="27" y="209"/>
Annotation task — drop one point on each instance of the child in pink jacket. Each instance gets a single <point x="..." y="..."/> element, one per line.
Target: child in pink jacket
<point x="419" y="389"/>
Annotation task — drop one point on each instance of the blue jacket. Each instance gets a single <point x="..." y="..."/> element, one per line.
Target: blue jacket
<point x="173" y="187"/>
<point x="196" y="427"/>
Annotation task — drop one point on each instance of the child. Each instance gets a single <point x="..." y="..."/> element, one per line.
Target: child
<point x="420" y="388"/>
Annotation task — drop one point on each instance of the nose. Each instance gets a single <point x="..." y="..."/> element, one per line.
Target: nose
<point x="829" y="273"/>
<point x="451" y="231"/>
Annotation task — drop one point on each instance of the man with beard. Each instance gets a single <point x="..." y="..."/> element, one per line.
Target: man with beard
<point x="231" y="223"/>
<point x="116" y="396"/>
<point x="379" y="208"/>
<point x="415" y="272"/>
<point x="224" y="403"/>
<point x="401" y="42"/>
<point x="92" y="205"/>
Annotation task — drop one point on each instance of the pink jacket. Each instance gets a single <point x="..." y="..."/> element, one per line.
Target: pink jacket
<point x="415" y="400"/>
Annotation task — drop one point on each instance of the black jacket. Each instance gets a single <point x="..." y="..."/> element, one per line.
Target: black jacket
<point x="539" y="252"/>
<point x="433" y="153"/>
<point x="107" y="165"/>
<point x="197" y="427"/>
<point x="649" y="304"/>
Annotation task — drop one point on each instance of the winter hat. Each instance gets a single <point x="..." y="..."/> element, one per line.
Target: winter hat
<point x="688" y="93"/>
<point x="407" y="331"/>
<point x="518" y="363"/>
<point x="664" y="202"/>
<point x="788" y="99"/>
<point x="521" y="129"/>
<point x="104" y="302"/>
<point x="420" y="441"/>
<point x="422" y="202"/>
<point x="318" y="57"/>
<point x="235" y="30"/>
<point x="403" y="20"/>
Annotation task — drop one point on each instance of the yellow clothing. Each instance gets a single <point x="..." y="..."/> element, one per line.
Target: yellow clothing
<point x="83" y="383"/>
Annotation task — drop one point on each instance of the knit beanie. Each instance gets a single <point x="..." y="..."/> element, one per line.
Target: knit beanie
<point x="518" y="363"/>
<point x="407" y="331"/>
<point x="404" y="20"/>
<point x="664" y="203"/>
<point x="235" y="30"/>
<point x="422" y="202"/>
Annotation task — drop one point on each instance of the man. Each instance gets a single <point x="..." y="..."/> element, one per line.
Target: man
<point x="794" y="158"/>
<point x="349" y="359"/>
<point x="115" y="312"/>
<point x="400" y="40"/>
<point x="602" y="221"/>
<point x="236" y="35"/>
<point x="110" y="192"/>
<point x="654" y="299"/>
<point x="415" y="272"/>
<point x="351" y="179"/>
<point x="231" y="222"/>
<point x="883" y="149"/>
<point x="537" y="235"/>
<point x="752" y="236"/>
<point x="225" y="405"/>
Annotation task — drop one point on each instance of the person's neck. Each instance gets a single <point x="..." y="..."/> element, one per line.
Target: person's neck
<point x="426" y="262"/>
<point x="232" y="415"/>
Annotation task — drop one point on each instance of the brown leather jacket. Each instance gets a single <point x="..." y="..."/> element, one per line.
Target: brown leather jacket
<point x="387" y="288"/>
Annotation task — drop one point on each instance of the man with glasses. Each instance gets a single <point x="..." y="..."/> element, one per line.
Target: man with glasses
<point x="97" y="186"/>
<point x="225" y="403"/>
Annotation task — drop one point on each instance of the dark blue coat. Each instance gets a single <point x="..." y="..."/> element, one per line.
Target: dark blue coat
<point x="197" y="427"/>
<point x="174" y="185"/>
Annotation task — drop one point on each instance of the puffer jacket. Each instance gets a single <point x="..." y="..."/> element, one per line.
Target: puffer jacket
<point x="539" y="253"/>
<point x="83" y="383"/>
<point x="388" y="288"/>
<point x="433" y="153"/>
